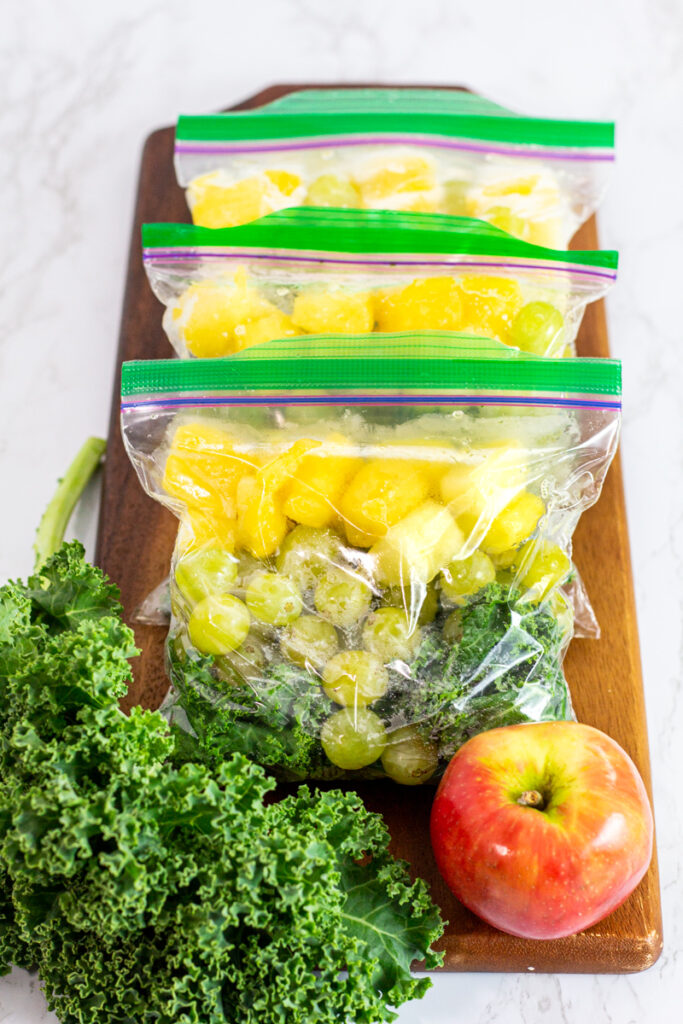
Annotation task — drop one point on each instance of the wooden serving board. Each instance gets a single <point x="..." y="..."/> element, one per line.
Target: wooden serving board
<point x="135" y="541"/>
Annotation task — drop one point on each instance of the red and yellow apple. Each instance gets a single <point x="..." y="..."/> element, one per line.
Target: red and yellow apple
<point x="542" y="830"/>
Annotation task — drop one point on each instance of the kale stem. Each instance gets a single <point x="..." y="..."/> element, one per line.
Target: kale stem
<point x="56" y="516"/>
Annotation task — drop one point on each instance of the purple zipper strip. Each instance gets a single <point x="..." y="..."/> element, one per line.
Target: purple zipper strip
<point x="436" y="142"/>
<point x="175" y="255"/>
<point x="282" y="399"/>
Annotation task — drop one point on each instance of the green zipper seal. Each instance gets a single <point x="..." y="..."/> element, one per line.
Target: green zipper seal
<point x="418" y="101"/>
<point x="365" y="232"/>
<point x="431" y="361"/>
<point x="445" y="113"/>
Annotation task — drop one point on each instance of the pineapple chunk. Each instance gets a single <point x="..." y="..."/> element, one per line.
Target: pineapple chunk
<point x="541" y="566"/>
<point x="475" y="494"/>
<point x="433" y="303"/>
<point x="217" y="203"/>
<point x="314" y="493"/>
<point x="405" y="181"/>
<point x="198" y="530"/>
<point x="203" y="469"/>
<point x="212" y="316"/>
<point x="514" y="524"/>
<point x="418" y="547"/>
<point x="526" y="205"/>
<point x="261" y="522"/>
<point x="490" y="304"/>
<point x="333" y="312"/>
<point x="266" y="328"/>
<point x="381" y="493"/>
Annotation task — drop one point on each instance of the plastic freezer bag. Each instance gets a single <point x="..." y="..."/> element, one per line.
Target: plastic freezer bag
<point x="429" y="150"/>
<point x="370" y="565"/>
<point x="312" y="271"/>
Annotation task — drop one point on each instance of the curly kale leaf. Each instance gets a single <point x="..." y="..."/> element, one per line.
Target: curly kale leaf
<point x="67" y="589"/>
<point x="274" y="719"/>
<point x="504" y="669"/>
<point x="148" y="892"/>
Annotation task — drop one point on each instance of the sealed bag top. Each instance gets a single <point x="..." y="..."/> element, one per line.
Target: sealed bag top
<point x="430" y="150"/>
<point x="373" y="552"/>
<point x="318" y="271"/>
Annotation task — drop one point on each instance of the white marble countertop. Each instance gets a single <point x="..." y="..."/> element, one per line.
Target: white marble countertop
<point x="83" y="84"/>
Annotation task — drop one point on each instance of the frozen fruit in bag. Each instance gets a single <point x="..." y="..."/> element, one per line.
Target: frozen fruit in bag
<point x="346" y="271"/>
<point x="424" y="595"/>
<point x="428" y="150"/>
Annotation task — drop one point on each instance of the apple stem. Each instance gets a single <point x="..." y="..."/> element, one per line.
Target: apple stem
<point x="532" y="798"/>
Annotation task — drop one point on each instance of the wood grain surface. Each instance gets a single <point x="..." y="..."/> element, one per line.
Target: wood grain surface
<point x="135" y="540"/>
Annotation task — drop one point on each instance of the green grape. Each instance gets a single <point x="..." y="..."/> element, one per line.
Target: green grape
<point x="387" y="634"/>
<point x="248" y="566"/>
<point x="355" y="678"/>
<point x="342" y="598"/>
<point x="331" y="190"/>
<point x="406" y="598"/>
<point x="454" y="198"/>
<point x="274" y="599"/>
<point x="218" y="624"/>
<point x="536" y="328"/>
<point x="466" y="576"/>
<point x="409" y="759"/>
<point x="248" y="662"/>
<point x="212" y="571"/>
<point x="309" y="642"/>
<point x="353" y="738"/>
<point x="307" y="553"/>
<point x="452" y="627"/>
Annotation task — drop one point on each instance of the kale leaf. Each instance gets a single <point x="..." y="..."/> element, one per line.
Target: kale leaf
<point x="504" y="668"/>
<point x="274" y="719"/>
<point x="144" y="891"/>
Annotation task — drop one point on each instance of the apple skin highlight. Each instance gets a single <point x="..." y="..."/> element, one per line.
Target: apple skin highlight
<point x="551" y="870"/>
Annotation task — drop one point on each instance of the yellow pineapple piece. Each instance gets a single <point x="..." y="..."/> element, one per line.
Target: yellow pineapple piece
<point x="199" y="530"/>
<point x="312" y="497"/>
<point x="400" y="181"/>
<point x="333" y="312"/>
<point x="418" y="547"/>
<point x="527" y="205"/>
<point x="514" y="524"/>
<point x="286" y="182"/>
<point x="541" y="566"/>
<point x="261" y="522"/>
<point x="490" y="304"/>
<point x="380" y="494"/>
<point x="212" y="316"/>
<point x="203" y="468"/>
<point x="433" y="303"/>
<point x="266" y="328"/>
<point x="476" y="493"/>
<point x="437" y="459"/>
<point x="216" y="203"/>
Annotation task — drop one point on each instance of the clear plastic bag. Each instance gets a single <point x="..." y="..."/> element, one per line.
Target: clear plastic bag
<point x="429" y="150"/>
<point x="309" y="271"/>
<point x="374" y="543"/>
